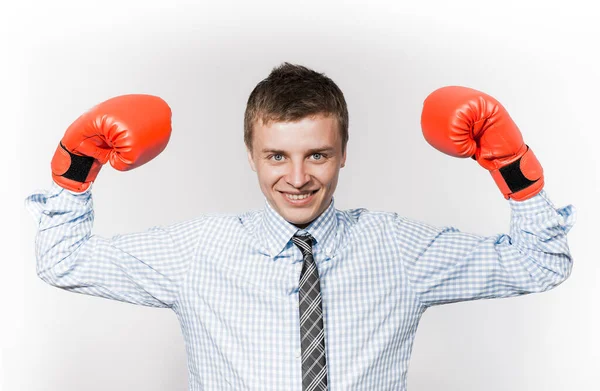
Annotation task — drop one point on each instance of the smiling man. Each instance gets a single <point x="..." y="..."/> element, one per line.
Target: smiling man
<point x="296" y="140"/>
<point x="299" y="295"/>
<point x="298" y="164"/>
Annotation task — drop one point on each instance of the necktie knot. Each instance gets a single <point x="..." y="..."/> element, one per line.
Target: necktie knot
<point x="304" y="243"/>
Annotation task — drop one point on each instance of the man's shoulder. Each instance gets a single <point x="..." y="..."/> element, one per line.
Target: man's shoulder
<point x="227" y="217"/>
<point x="230" y="219"/>
<point x="365" y="216"/>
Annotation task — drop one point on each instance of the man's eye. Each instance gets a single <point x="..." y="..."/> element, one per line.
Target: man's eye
<point x="279" y="157"/>
<point x="275" y="157"/>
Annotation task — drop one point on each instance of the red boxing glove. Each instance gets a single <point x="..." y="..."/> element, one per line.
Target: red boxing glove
<point x="463" y="122"/>
<point x="127" y="130"/>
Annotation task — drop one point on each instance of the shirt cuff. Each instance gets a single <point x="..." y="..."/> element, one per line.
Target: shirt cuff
<point x="56" y="189"/>
<point x="540" y="207"/>
<point x="535" y="204"/>
<point x="40" y="201"/>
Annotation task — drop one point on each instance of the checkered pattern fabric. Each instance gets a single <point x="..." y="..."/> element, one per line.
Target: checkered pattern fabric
<point x="233" y="281"/>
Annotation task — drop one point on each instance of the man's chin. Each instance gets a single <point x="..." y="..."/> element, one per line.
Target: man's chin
<point x="300" y="223"/>
<point x="297" y="220"/>
<point x="300" y="226"/>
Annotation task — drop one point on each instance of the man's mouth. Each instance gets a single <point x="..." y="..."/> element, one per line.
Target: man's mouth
<point x="298" y="196"/>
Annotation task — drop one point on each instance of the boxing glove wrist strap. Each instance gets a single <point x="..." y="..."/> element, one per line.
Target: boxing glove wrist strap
<point x="520" y="179"/>
<point x="76" y="167"/>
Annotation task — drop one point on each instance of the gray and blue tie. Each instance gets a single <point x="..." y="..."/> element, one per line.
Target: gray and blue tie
<point x="312" y="334"/>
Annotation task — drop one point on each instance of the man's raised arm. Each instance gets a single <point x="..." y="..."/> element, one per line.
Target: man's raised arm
<point x="142" y="268"/>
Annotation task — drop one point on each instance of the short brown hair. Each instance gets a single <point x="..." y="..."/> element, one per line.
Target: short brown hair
<point x="292" y="92"/>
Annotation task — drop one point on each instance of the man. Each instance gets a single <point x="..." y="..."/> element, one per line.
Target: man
<point x="299" y="295"/>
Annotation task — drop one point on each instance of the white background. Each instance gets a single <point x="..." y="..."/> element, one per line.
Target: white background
<point x="540" y="59"/>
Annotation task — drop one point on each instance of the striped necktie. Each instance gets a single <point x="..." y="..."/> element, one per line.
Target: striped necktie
<point x="312" y="335"/>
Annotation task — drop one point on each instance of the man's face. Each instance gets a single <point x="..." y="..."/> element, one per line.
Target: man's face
<point x="302" y="157"/>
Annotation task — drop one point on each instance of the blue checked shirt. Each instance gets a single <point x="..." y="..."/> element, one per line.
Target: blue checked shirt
<point x="232" y="281"/>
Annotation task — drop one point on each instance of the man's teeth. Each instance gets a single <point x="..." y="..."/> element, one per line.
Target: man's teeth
<point x="297" y="197"/>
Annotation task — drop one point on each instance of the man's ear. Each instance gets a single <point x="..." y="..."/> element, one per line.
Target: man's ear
<point x="251" y="160"/>
<point x="344" y="158"/>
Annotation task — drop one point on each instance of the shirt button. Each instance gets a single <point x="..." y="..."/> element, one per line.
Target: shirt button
<point x="298" y="353"/>
<point x="298" y="304"/>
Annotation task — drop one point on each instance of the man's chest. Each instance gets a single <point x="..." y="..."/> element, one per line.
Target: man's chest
<point x="243" y="307"/>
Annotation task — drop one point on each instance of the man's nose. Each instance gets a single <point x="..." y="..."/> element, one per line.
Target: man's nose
<point x="298" y="175"/>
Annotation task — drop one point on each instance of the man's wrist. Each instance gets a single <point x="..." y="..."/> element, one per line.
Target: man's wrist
<point x="533" y="205"/>
<point x="56" y="189"/>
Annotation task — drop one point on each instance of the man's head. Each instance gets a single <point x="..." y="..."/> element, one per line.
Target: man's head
<point x="296" y="131"/>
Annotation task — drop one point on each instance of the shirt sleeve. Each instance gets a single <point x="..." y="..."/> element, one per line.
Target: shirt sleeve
<point x="143" y="268"/>
<point x="445" y="265"/>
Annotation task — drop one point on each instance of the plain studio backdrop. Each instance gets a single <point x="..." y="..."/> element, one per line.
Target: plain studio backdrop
<point x="540" y="59"/>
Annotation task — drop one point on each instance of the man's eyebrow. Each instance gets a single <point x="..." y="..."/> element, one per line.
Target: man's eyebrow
<point x="310" y="151"/>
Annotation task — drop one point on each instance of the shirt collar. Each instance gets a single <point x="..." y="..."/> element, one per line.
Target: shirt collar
<point x="275" y="232"/>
